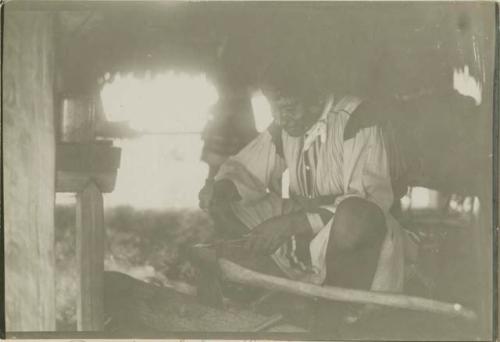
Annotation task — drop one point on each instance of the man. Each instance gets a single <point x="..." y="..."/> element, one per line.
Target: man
<point x="335" y="229"/>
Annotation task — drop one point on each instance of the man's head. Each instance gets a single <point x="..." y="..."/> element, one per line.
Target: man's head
<point x="293" y="113"/>
<point x="295" y="93"/>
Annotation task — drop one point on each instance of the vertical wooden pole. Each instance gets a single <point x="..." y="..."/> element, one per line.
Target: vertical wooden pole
<point x="90" y="254"/>
<point x="28" y="144"/>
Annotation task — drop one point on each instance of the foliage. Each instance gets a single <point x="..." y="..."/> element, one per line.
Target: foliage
<point x="146" y="244"/>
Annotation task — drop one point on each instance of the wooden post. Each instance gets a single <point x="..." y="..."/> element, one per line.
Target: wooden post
<point x="28" y="155"/>
<point x="90" y="255"/>
<point x="88" y="168"/>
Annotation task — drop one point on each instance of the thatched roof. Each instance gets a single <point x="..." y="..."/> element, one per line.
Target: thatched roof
<point x="378" y="50"/>
<point x="391" y="46"/>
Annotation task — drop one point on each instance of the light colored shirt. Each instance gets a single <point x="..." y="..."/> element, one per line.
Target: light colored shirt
<point x="329" y="165"/>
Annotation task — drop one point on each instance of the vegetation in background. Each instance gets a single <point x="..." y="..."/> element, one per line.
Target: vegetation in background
<point x="145" y="244"/>
<point x="66" y="272"/>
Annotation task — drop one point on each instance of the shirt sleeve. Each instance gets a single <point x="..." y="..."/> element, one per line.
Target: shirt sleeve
<point x="255" y="170"/>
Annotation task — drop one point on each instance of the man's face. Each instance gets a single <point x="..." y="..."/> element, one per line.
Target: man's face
<point x="295" y="116"/>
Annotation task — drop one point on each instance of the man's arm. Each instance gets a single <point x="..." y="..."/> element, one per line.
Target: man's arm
<point x="254" y="168"/>
<point x="267" y="237"/>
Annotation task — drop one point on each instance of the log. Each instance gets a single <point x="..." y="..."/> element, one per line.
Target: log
<point x="234" y="272"/>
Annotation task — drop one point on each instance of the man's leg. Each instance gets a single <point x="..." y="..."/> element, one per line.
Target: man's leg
<point x="358" y="231"/>
<point x="356" y="238"/>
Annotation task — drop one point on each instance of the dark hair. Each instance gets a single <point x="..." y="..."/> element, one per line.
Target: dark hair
<point x="293" y="76"/>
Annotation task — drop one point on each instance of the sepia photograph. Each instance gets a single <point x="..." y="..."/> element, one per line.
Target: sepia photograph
<point x="250" y="170"/>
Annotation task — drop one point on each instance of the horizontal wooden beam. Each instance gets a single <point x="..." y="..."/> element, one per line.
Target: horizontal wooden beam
<point x="67" y="181"/>
<point x="119" y="129"/>
<point x="87" y="157"/>
<point x="78" y="164"/>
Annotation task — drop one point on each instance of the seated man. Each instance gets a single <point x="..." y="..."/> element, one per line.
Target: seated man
<point x="335" y="227"/>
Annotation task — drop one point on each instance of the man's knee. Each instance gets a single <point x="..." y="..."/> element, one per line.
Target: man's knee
<point x="357" y="223"/>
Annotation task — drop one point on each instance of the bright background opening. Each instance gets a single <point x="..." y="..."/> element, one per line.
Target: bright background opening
<point x="160" y="170"/>
<point x="168" y="102"/>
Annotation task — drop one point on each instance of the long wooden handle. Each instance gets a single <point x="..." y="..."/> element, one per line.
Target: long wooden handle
<point x="239" y="274"/>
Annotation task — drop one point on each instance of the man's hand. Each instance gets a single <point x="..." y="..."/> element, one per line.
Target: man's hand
<point x="218" y="195"/>
<point x="205" y="195"/>
<point x="267" y="237"/>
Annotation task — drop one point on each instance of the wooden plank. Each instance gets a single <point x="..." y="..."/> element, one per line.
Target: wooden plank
<point x="88" y="157"/>
<point x="77" y="181"/>
<point x="115" y="130"/>
<point x="90" y="256"/>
